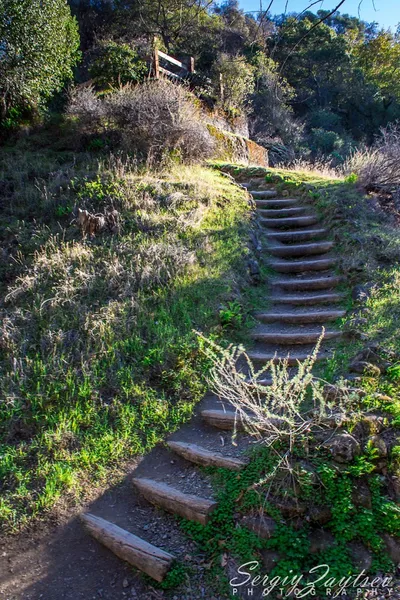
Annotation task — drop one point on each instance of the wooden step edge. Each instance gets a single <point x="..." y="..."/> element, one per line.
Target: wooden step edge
<point x="262" y="193"/>
<point x="303" y="266"/>
<point x="288" y="235"/>
<point x="311" y="299"/>
<point x="294" y="338"/>
<point x="275" y="202"/>
<point x="301" y="249"/>
<point x="137" y="552"/>
<point x="275" y="358"/>
<point x="320" y="283"/>
<point x="174" y="501"/>
<point x="289" y="221"/>
<point x="283" y="212"/>
<point x="309" y="318"/>
<point x="222" y="419"/>
<point x="206" y="458"/>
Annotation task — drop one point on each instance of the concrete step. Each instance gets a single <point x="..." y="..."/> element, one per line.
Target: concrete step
<point x="302" y="266"/>
<point x="301" y="249"/>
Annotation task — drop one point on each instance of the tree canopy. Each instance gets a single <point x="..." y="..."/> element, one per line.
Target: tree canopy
<point x="39" y="45"/>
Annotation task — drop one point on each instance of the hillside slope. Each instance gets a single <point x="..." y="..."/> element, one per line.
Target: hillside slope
<point x="98" y="359"/>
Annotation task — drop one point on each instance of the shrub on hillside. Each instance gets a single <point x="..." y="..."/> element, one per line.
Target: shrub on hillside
<point x="159" y="119"/>
<point x="378" y="167"/>
<point x="115" y="64"/>
<point x="84" y="103"/>
<point x="39" y="46"/>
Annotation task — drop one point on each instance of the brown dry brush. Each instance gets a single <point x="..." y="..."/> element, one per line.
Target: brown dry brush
<point x="155" y="120"/>
<point x="378" y="167"/>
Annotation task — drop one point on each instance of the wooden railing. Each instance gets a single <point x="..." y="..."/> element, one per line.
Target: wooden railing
<point x="177" y="69"/>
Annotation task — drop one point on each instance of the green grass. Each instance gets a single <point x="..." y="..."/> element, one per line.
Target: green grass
<point x="98" y="359"/>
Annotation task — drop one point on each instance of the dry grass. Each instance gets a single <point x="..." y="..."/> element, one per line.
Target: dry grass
<point x="378" y="167"/>
<point x="97" y="356"/>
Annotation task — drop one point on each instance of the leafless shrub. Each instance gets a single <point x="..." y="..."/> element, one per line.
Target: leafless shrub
<point x="159" y="118"/>
<point x="84" y="103"/>
<point x="320" y="167"/>
<point x="378" y="167"/>
<point x="276" y="411"/>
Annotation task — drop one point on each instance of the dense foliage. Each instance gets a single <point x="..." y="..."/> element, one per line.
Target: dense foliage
<point x="308" y="87"/>
<point x="39" y="44"/>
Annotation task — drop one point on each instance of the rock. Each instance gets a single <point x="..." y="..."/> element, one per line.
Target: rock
<point x="361" y="292"/>
<point x="343" y="447"/>
<point x="368" y="425"/>
<point x="392" y="547"/>
<point x="320" y="514"/>
<point x="359" y="322"/>
<point x="125" y="583"/>
<point x="254" y="271"/>
<point x="289" y="508"/>
<point x="320" y="540"/>
<point x="334" y="419"/>
<point x="371" y="354"/>
<point x="394" y="487"/>
<point x="264" y="527"/>
<point x="270" y="559"/>
<point x="255" y="242"/>
<point x="361" y="495"/>
<point x="365" y="368"/>
<point x="379" y="444"/>
<point x="361" y="557"/>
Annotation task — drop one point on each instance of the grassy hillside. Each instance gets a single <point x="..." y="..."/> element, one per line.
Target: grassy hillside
<point x="98" y="359"/>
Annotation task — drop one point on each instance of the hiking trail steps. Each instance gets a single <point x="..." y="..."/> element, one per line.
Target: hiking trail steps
<point x="302" y="305"/>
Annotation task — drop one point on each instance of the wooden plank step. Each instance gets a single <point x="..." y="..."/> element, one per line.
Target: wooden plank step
<point x="282" y="212"/>
<point x="262" y="193"/>
<point x="143" y="556"/>
<point x="227" y="419"/>
<point x="292" y="358"/>
<point x="204" y="457"/>
<point x="296" y="235"/>
<point x="222" y="419"/>
<point x="295" y="337"/>
<point x="255" y="182"/>
<point x="290" y="222"/>
<point x="302" y="266"/>
<point x="320" y="283"/>
<point x="301" y="317"/>
<point x="309" y="299"/>
<point x="275" y="202"/>
<point x="301" y="249"/>
<point x="174" y="501"/>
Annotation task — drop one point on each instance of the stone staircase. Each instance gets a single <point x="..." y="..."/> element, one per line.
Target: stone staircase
<point x="303" y="301"/>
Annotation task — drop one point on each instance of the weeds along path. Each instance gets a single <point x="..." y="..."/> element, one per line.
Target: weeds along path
<point x="304" y="301"/>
